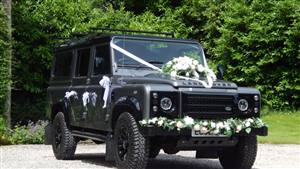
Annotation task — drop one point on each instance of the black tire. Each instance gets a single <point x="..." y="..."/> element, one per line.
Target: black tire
<point x="242" y="156"/>
<point x="63" y="143"/>
<point x="130" y="147"/>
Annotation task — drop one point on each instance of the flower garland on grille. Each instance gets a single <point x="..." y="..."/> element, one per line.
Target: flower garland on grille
<point x="226" y="127"/>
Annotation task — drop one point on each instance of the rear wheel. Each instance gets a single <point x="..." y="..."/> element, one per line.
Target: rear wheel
<point x="63" y="143"/>
<point x="130" y="147"/>
<point x="242" y="156"/>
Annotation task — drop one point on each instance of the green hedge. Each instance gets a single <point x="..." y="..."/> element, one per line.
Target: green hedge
<point x="4" y="59"/>
<point x="39" y="25"/>
<point x="257" y="41"/>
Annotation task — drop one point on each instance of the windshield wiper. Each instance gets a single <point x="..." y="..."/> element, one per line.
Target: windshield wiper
<point x="134" y="66"/>
<point x="141" y="65"/>
<point x="152" y="62"/>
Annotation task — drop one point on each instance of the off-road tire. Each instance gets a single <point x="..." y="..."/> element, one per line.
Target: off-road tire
<point x="242" y="156"/>
<point x="136" y="156"/>
<point x="63" y="143"/>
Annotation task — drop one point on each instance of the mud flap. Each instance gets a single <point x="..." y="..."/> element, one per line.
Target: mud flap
<point x="109" y="155"/>
<point x="48" y="134"/>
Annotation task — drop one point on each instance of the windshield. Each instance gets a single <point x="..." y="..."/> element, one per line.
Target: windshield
<point x="155" y="52"/>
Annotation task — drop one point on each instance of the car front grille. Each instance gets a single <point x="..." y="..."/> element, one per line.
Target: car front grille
<point x="207" y="105"/>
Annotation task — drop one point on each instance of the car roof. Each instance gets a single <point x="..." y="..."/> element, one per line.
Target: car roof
<point x="83" y="40"/>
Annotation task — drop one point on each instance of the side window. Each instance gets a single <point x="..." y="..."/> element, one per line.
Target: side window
<point x="102" y="60"/>
<point x="63" y="64"/>
<point x="82" y="65"/>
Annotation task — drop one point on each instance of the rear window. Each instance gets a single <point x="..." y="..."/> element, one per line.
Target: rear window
<point x="63" y="64"/>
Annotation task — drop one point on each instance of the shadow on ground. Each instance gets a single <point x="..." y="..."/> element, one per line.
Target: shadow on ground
<point x="161" y="162"/>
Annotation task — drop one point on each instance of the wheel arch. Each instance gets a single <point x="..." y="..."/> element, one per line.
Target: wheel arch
<point x="121" y="108"/>
<point x="59" y="107"/>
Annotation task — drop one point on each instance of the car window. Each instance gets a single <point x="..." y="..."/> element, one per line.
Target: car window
<point x="63" y="64"/>
<point x="102" y="60"/>
<point x="82" y="65"/>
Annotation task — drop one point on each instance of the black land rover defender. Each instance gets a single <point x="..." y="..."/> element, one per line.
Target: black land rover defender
<point x="129" y="91"/>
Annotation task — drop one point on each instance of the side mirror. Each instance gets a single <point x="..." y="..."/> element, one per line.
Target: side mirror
<point x="220" y="72"/>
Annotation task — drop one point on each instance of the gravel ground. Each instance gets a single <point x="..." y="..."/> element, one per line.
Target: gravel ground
<point x="92" y="156"/>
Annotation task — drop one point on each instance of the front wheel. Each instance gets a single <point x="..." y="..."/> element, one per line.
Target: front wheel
<point x="242" y="156"/>
<point x="130" y="147"/>
<point x="63" y="143"/>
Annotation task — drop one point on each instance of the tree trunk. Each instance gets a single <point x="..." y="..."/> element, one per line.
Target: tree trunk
<point x="7" y="7"/>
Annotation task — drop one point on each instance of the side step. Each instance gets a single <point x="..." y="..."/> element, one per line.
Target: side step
<point x="108" y="139"/>
<point x="88" y="135"/>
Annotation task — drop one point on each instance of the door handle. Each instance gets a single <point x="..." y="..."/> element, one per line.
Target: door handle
<point x="88" y="81"/>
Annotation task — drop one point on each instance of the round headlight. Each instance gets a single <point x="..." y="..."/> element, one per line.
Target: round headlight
<point x="166" y="103"/>
<point x="243" y="104"/>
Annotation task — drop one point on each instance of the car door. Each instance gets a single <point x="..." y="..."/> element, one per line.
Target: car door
<point x="80" y="84"/>
<point x="101" y="66"/>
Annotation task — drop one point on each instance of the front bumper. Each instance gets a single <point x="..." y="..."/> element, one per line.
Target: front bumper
<point x="158" y="131"/>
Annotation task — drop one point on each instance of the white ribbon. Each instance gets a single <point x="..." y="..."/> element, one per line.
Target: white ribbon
<point x="85" y="98"/>
<point x="210" y="74"/>
<point x="71" y="94"/>
<point x="132" y="56"/>
<point x="93" y="97"/>
<point x="105" y="83"/>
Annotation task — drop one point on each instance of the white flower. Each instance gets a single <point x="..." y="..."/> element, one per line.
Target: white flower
<point x="247" y="124"/>
<point x="188" y="120"/>
<point x="184" y="67"/>
<point x="213" y="124"/>
<point x="205" y="123"/>
<point x="160" y="123"/>
<point x="203" y="130"/>
<point x="179" y="124"/>
<point x="187" y="74"/>
<point x="195" y="62"/>
<point x="193" y="67"/>
<point x="173" y="74"/>
<point x="227" y="127"/>
<point x="250" y="120"/>
<point x="220" y="125"/>
<point x="153" y="121"/>
<point x="197" y="127"/>
<point x="217" y="131"/>
<point x="200" y="68"/>
<point x="238" y="128"/>
<point x="144" y="122"/>
<point x="172" y="122"/>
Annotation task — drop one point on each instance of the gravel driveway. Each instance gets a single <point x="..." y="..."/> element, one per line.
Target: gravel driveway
<point x="92" y="156"/>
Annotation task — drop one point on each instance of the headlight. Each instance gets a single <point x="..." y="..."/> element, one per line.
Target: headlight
<point x="243" y="105"/>
<point x="166" y="103"/>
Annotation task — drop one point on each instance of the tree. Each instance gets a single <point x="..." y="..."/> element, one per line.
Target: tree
<point x="7" y="107"/>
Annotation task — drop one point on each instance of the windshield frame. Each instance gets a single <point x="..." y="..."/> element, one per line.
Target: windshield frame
<point x="159" y="39"/>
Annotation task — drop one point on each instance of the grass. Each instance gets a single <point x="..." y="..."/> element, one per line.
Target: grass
<point x="284" y="128"/>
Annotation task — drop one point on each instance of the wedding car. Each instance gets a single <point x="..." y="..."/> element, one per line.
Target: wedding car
<point x="143" y="92"/>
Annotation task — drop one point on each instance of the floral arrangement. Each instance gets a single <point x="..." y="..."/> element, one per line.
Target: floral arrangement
<point x="187" y="67"/>
<point x="226" y="127"/>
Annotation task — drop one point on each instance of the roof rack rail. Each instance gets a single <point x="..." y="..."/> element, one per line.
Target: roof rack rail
<point x="133" y="31"/>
